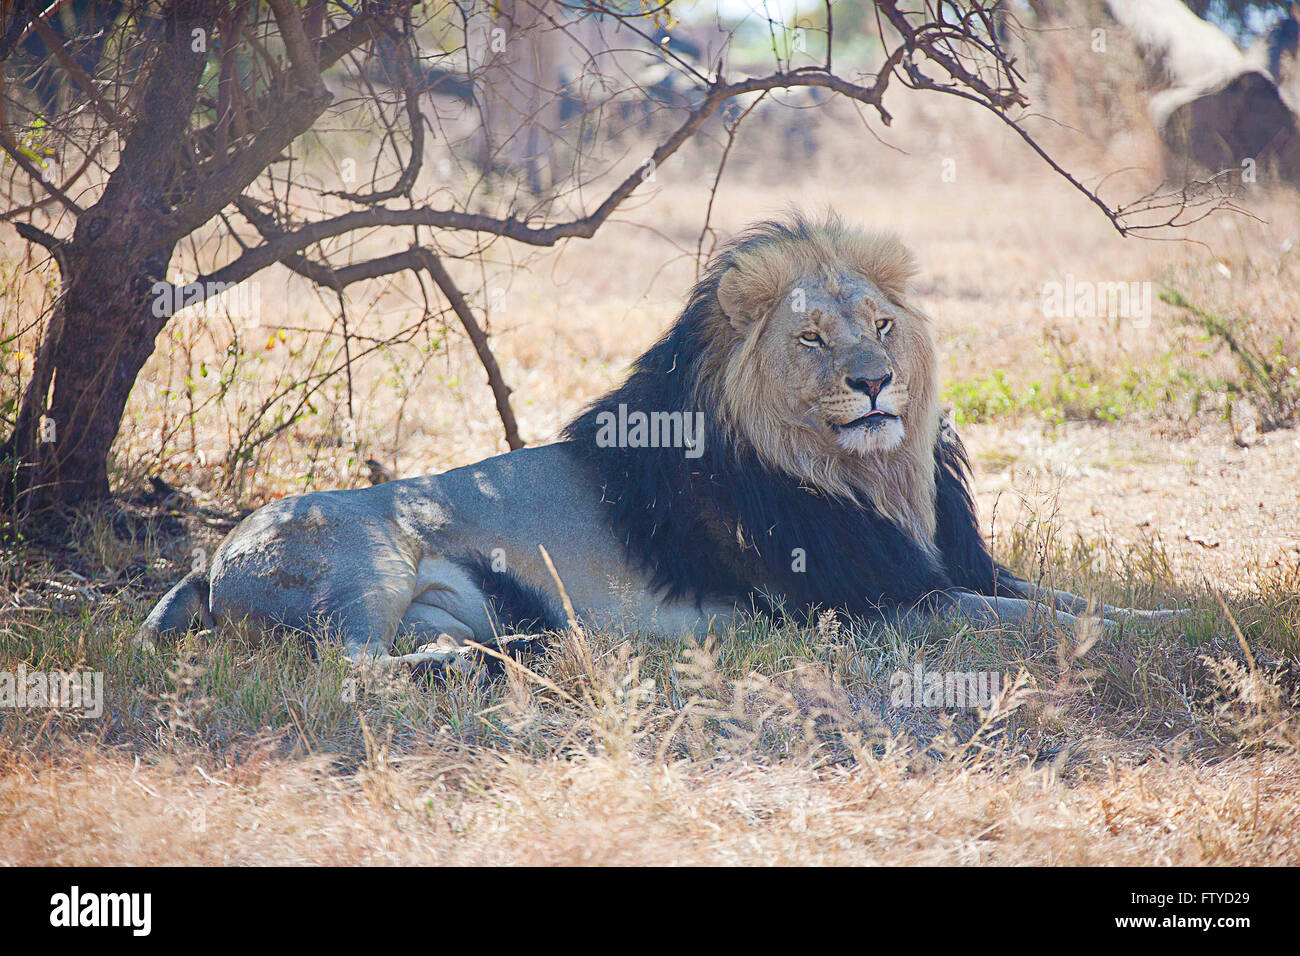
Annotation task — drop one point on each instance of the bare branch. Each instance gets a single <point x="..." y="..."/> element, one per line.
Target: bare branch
<point x="318" y="272"/>
<point x="408" y="68"/>
<point x="513" y="228"/>
<point x="15" y="152"/>
<point x="221" y="186"/>
<point x="306" y="70"/>
<point x="500" y="391"/>
<point x="414" y="259"/>
<point x="51" y="40"/>
<point x="344" y="40"/>
<point x="732" y="130"/>
<point x="42" y="238"/>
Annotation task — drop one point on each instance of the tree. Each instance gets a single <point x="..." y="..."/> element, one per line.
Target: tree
<point x="176" y="115"/>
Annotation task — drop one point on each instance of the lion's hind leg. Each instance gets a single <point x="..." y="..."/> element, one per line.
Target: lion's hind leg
<point x="185" y="603"/>
<point x="318" y="565"/>
<point x="458" y="608"/>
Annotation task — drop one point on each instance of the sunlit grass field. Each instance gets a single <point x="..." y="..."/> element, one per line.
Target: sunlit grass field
<point x="1131" y="461"/>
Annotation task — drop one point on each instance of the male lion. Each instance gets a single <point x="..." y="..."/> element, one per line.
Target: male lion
<point x="781" y="445"/>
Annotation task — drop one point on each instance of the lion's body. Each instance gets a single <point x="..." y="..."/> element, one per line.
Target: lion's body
<point x="817" y="474"/>
<point x="417" y="555"/>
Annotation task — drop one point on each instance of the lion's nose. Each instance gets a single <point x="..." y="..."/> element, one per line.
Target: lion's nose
<point x="871" y="386"/>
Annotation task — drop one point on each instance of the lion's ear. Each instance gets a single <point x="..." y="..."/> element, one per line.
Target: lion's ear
<point x="733" y="297"/>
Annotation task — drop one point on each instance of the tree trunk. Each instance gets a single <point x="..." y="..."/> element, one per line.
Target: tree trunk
<point x="104" y="325"/>
<point x="101" y="336"/>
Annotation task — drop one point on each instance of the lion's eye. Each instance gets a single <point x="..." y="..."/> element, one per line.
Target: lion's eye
<point x="884" y="325"/>
<point x="812" y="340"/>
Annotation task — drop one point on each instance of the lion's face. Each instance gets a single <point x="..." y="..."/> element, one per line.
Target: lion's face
<point x="829" y="345"/>
<point x="829" y="359"/>
<point x="824" y="368"/>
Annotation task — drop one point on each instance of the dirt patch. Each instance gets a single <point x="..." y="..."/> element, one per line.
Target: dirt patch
<point x="1223" y="513"/>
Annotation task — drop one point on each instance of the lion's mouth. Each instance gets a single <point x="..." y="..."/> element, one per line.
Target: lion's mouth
<point x="872" y="419"/>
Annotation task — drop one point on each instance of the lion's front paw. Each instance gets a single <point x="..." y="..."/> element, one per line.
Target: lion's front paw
<point x="1168" y="614"/>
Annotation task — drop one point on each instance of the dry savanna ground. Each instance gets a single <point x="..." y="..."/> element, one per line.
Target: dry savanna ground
<point x="1131" y="457"/>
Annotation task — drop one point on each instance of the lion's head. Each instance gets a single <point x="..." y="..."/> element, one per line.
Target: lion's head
<point x="820" y="363"/>
<point x="813" y="380"/>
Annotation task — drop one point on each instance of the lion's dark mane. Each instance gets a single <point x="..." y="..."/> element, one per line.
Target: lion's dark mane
<point x="679" y="516"/>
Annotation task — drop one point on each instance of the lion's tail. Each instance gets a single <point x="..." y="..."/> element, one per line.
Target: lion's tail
<point x="177" y="610"/>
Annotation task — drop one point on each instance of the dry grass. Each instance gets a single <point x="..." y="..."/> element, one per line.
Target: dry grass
<point x="591" y="812"/>
<point x="774" y="744"/>
<point x="766" y="745"/>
